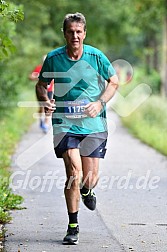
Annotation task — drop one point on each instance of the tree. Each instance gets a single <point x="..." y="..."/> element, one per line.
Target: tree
<point x="9" y="15"/>
<point x="164" y="53"/>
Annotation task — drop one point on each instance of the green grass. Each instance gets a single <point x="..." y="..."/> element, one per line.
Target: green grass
<point x="15" y="123"/>
<point x="149" y="123"/>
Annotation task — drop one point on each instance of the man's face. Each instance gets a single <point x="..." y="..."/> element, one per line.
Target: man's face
<point x="75" y="35"/>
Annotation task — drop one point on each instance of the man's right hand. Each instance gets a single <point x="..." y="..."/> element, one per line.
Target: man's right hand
<point x="49" y="106"/>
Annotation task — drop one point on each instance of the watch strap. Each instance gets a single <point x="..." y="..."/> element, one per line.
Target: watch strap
<point x="103" y="103"/>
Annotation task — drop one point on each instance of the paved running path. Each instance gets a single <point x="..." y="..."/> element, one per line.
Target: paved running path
<point x="131" y="208"/>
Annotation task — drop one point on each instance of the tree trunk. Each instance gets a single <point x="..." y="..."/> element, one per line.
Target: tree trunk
<point x="164" y="56"/>
<point x="147" y="46"/>
<point x="155" y="54"/>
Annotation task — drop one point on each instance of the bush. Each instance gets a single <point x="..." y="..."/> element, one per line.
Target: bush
<point x="140" y="76"/>
<point x="154" y="80"/>
<point x="149" y="123"/>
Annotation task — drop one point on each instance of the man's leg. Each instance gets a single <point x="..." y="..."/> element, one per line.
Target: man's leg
<point x="42" y="117"/>
<point x="41" y="114"/>
<point x="90" y="167"/>
<point x="73" y="166"/>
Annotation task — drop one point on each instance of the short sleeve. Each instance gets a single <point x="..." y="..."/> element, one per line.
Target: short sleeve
<point x="107" y="70"/>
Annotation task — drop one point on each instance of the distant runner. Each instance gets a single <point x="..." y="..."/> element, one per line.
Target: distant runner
<point x="44" y="119"/>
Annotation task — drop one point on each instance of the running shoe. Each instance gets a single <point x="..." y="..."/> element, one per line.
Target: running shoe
<point x="89" y="199"/>
<point x="72" y="236"/>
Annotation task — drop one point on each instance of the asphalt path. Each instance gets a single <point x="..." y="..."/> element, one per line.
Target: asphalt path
<point x="131" y="213"/>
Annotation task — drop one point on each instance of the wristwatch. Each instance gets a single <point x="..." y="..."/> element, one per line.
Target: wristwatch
<point x="103" y="103"/>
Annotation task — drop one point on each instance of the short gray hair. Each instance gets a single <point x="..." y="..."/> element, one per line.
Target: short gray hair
<point x="76" y="17"/>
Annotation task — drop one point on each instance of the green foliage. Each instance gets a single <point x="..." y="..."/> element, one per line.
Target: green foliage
<point x="8" y="201"/>
<point x="9" y="88"/>
<point x="4" y="217"/>
<point x="7" y="31"/>
<point x="149" y="10"/>
<point x="141" y="76"/>
<point x="148" y="123"/>
<point x="13" y="125"/>
<point x="154" y="80"/>
<point x="9" y="14"/>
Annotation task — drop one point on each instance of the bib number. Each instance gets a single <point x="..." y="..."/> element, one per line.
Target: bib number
<point x="75" y="109"/>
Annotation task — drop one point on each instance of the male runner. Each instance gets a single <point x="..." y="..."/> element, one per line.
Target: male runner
<point x="84" y="82"/>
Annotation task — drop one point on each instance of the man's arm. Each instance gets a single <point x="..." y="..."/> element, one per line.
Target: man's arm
<point x="93" y="108"/>
<point x="41" y="93"/>
<point x="111" y="88"/>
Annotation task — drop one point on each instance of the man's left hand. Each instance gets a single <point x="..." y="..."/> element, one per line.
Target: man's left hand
<point x="92" y="109"/>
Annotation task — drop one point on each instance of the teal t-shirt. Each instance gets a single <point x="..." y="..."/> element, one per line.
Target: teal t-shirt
<point x="77" y="82"/>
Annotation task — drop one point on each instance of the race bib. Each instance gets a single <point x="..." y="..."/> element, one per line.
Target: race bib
<point x="75" y="109"/>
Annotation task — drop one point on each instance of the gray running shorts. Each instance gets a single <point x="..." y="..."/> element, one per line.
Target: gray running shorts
<point x="93" y="145"/>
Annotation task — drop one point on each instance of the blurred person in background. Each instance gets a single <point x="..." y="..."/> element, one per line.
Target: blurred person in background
<point x="43" y="118"/>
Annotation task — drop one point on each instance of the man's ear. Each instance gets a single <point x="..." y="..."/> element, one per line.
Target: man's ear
<point x="85" y="35"/>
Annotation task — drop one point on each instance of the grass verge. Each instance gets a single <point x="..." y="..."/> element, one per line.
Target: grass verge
<point x="148" y="123"/>
<point x="13" y="125"/>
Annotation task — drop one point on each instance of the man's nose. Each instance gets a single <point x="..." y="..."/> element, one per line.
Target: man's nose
<point x="75" y="34"/>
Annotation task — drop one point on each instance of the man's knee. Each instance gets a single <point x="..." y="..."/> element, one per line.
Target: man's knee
<point x="90" y="180"/>
<point x="72" y="182"/>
